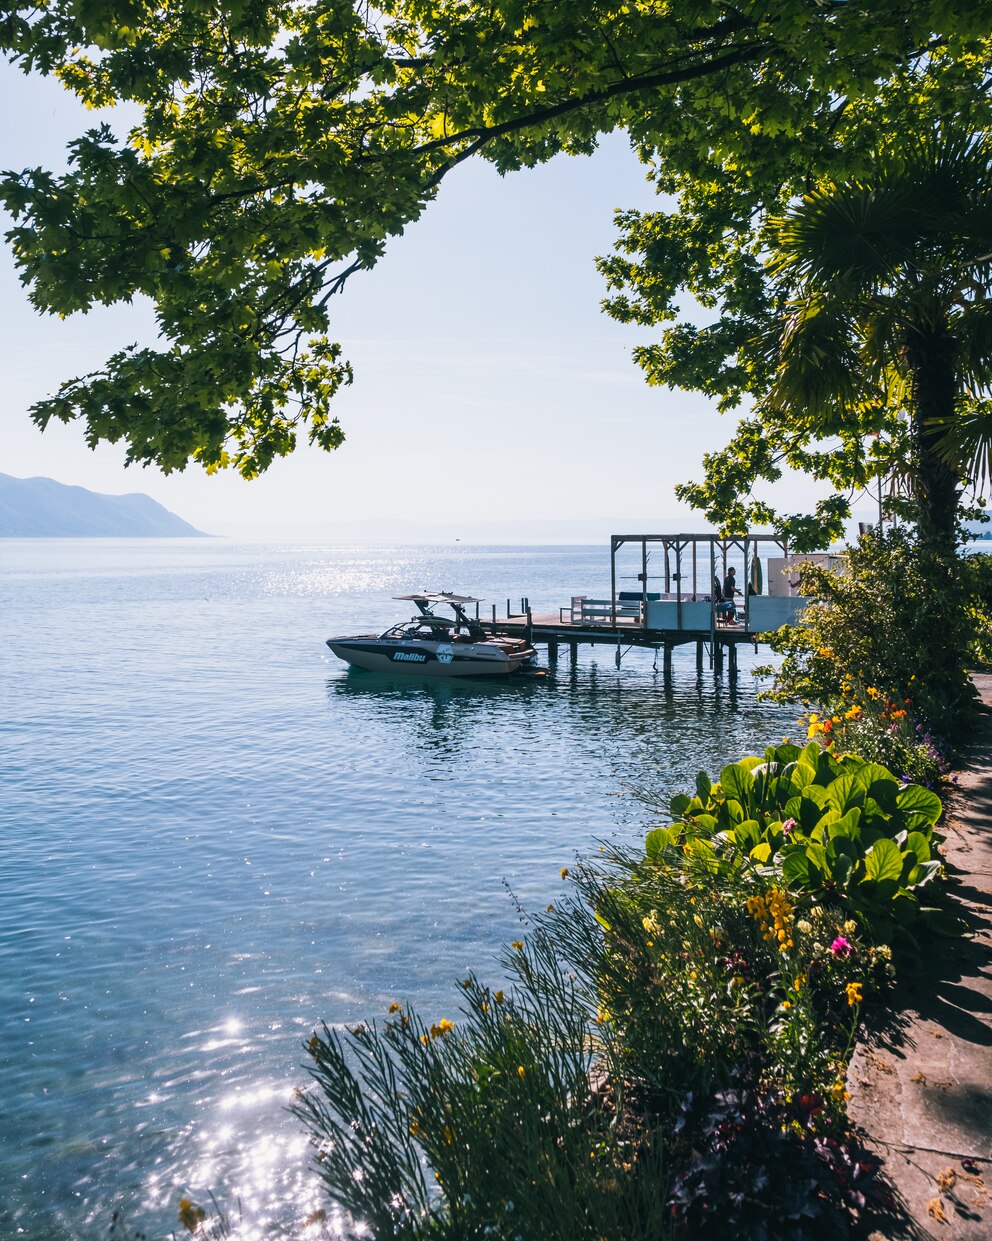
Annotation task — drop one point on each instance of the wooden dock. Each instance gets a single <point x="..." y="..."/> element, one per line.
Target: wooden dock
<point x="677" y="602"/>
<point x="555" y="632"/>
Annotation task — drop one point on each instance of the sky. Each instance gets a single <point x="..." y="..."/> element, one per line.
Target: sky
<point x="491" y="391"/>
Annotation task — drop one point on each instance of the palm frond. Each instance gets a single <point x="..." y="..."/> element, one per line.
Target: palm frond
<point x="967" y="443"/>
<point x="851" y="237"/>
<point x="973" y="335"/>
<point x="818" y="366"/>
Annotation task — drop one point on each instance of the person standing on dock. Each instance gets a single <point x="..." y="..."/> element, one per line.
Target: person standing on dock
<point x="730" y="590"/>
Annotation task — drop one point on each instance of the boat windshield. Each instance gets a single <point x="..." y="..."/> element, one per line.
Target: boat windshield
<point x="436" y="627"/>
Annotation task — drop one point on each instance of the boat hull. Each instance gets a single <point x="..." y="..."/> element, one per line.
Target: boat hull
<point x="431" y="659"/>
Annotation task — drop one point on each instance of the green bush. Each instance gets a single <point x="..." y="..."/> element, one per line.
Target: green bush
<point x="895" y="621"/>
<point x="837" y="829"/>
<point x="563" y="1106"/>
<point x="506" y="1122"/>
<point x="978" y="582"/>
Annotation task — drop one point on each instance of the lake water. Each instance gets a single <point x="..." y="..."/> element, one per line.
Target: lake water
<point x="214" y="837"/>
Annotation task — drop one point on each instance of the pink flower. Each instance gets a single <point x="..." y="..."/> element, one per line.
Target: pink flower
<point x="842" y="947"/>
<point x="788" y="826"/>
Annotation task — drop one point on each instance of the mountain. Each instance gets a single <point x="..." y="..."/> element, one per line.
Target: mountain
<point x="41" y="508"/>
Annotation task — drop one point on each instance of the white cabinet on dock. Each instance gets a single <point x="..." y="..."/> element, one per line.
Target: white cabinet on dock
<point x="765" y="612"/>
<point x="664" y="614"/>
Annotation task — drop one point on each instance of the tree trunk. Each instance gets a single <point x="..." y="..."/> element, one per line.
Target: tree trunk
<point x="931" y="357"/>
<point x="938" y="591"/>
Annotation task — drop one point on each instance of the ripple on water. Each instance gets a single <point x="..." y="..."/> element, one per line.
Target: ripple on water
<point x="215" y="838"/>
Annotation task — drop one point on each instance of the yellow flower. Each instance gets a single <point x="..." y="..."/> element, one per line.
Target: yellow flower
<point x="517" y="945"/>
<point x="521" y="1071"/>
<point x="395" y="1008"/>
<point x="498" y="997"/>
<point x="854" y="996"/>
<point x="786" y="1003"/>
<point x="853" y="713"/>
<point x="314" y="1046"/>
<point x="564" y="872"/>
<point x="190" y="1215"/>
<point x="698" y="920"/>
<point x="871" y="691"/>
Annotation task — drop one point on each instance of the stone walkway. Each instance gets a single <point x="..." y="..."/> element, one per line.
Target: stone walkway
<point x="923" y="1093"/>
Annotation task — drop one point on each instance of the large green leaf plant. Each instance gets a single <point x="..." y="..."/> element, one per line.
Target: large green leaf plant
<point x="836" y="830"/>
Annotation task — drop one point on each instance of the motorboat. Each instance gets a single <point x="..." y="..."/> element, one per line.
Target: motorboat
<point x="436" y="646"/>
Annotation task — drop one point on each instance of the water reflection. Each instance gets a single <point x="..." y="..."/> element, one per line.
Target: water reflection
<point x="635" y="715"/>
<point x="208" y="852"/>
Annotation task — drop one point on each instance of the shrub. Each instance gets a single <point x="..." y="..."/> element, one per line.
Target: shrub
<point x="735" y="1183"/>
<point x="865" y="723"/>
<point x="895" y="619"/>
<point x="557" y="1108"/>
<point x="505" y="1123"/>
<point x="978" y="582"/>
<point x="839" y="831"/>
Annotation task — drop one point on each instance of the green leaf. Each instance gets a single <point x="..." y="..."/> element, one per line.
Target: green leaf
<point x="738" y="784"/>
<point x="810" y="813"/>
<point x="905" y="908"/>
<point x="884" y="861"/>
<point x="846" y="791"/>
<point x="704" y="787"/>
<point x="679" y="805"/>
<point x="703" y="853"/>
<point x="882" y="789"/>
<point x="922" y="805"/>
<point x="747" y="834"/>
<point x="659" y="840"/>
<point x="940" y="922"/>
<point x="795" y="869"/>
<point x="847" y="825"/>
<point x="786" y="754"/>
<point x="734" y="810"/>
<point x="704" y="823"/>
<point x="841" y="869"/>
<point x="923" y="874"/>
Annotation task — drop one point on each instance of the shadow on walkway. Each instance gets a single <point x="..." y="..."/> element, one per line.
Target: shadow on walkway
<point x="921" y="1088"/>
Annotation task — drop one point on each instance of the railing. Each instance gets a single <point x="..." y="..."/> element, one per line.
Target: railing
<point x="601" y="611"/>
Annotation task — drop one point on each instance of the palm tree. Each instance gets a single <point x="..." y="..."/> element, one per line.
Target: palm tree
<point x="886" y="284"/>
<point x="886" y="288"/>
